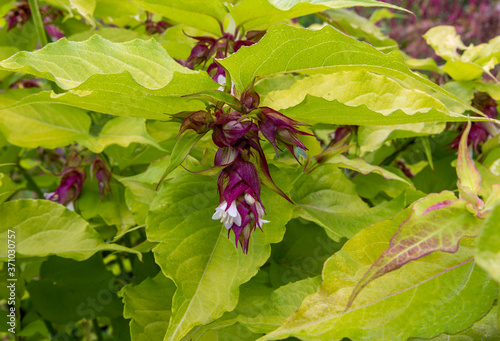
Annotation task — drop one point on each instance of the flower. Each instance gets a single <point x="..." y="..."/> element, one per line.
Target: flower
<point x="70" y="187"/>
<point x="72" y="178"/>
<point x="229" y="128"/>
<point x="18" y="16"/>
<point x="278" y="128"/>
<point x="240" y="209"/>
<point x="227" y="215"/>
<point x="102" y="172"/>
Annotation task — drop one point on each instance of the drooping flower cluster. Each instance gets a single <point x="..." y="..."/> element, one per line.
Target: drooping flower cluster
<point x="73" y="176"/>
<point x="237" y="134"/>
<point x="208" y="47"/>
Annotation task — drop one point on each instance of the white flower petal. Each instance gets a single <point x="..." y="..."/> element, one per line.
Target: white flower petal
<point x="232" y="211"/>
<point x="48" y="195"/>
<point x="228" y="225"/>
<point x="262" y="221"/>
<point x="237" y="219"/>
<point x="217" y="215"/>
<point x="71" y="206"/>
<point x="221" y="80"/>
<point x="222" y="206"/>
<point x="260" y="209"/>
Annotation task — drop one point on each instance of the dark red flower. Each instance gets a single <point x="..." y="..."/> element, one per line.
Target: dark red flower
<point x="278" y="128"/>
<point x="72" y="178"/>
<point x="240" y="208"/>
<point x="103" y="173"/>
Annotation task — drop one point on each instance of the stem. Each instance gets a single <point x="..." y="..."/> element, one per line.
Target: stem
<point x="388" y="160"/>
<point x="97" y="330"/>
<point x="50" y="328"/>
<point x="332" y="22"/>
<point x="37" y="19"/>
<point x="31" y="183"/>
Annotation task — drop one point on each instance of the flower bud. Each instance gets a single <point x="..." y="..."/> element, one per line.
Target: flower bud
<point x="102" y="172"/>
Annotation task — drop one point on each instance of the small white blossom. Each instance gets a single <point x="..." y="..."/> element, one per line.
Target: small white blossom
<point x="222" y="81"/>
<point x="227" y="216"/>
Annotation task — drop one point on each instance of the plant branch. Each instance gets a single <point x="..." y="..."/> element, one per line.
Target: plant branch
<point x="37" y="19"/>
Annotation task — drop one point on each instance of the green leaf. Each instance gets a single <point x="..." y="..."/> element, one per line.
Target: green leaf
<point x="181" y="150"/>
<point x="363" y="167"/>
<point x="112" y="210"/>
<point x="362" y="28"/>
<point x="84" y="7"/>
<point x="44" y="125"/>
<point x="121" y="131"/>
<point x="207" y="15"/>
<point x="288" y="49"/>
<point x="195" y="252"/>
<point x="6" y="52"/>
<point x="485" y="329"/>
<point x="260" y="308"/>
<point x="445" y="41"/>
<point x="370" y="98"/>
<point x="372" y="137"/>
<point x="7" y="187"/>
<point x="261" y="14"/>
<point x="488" y="245"/>
<point x="325" y="196"/>
<point x="114" y="34"/>
<point x="121" y="95"/>
<point x="148" y="305"/>
<point x="138" y="197"/>
<point x="459" y="293"/>
<point x="70" y="64"/>
<point x="462" y="71"/>
<point x="84" y="289"/>
<point x="281" y="303"/>
<point x="44" y="228"/>
<point x="438" y="223"/>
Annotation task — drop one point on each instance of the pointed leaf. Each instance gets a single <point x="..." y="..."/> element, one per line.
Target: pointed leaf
<point x="363" y="167"/>
<point x="288" y="49"/>
<point x="442" y="292"/>
<point x="121" y="95"/>
<point x="430" y="228"/>
<point x="195" y="252"/>
<point x="70" y="64"/>
<point x="360" y="27"/>
<point x="46" y="228"/>
<point x="368" y="97"/>
<point x="34" y="125"/>
<point x="261" y="14"/>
